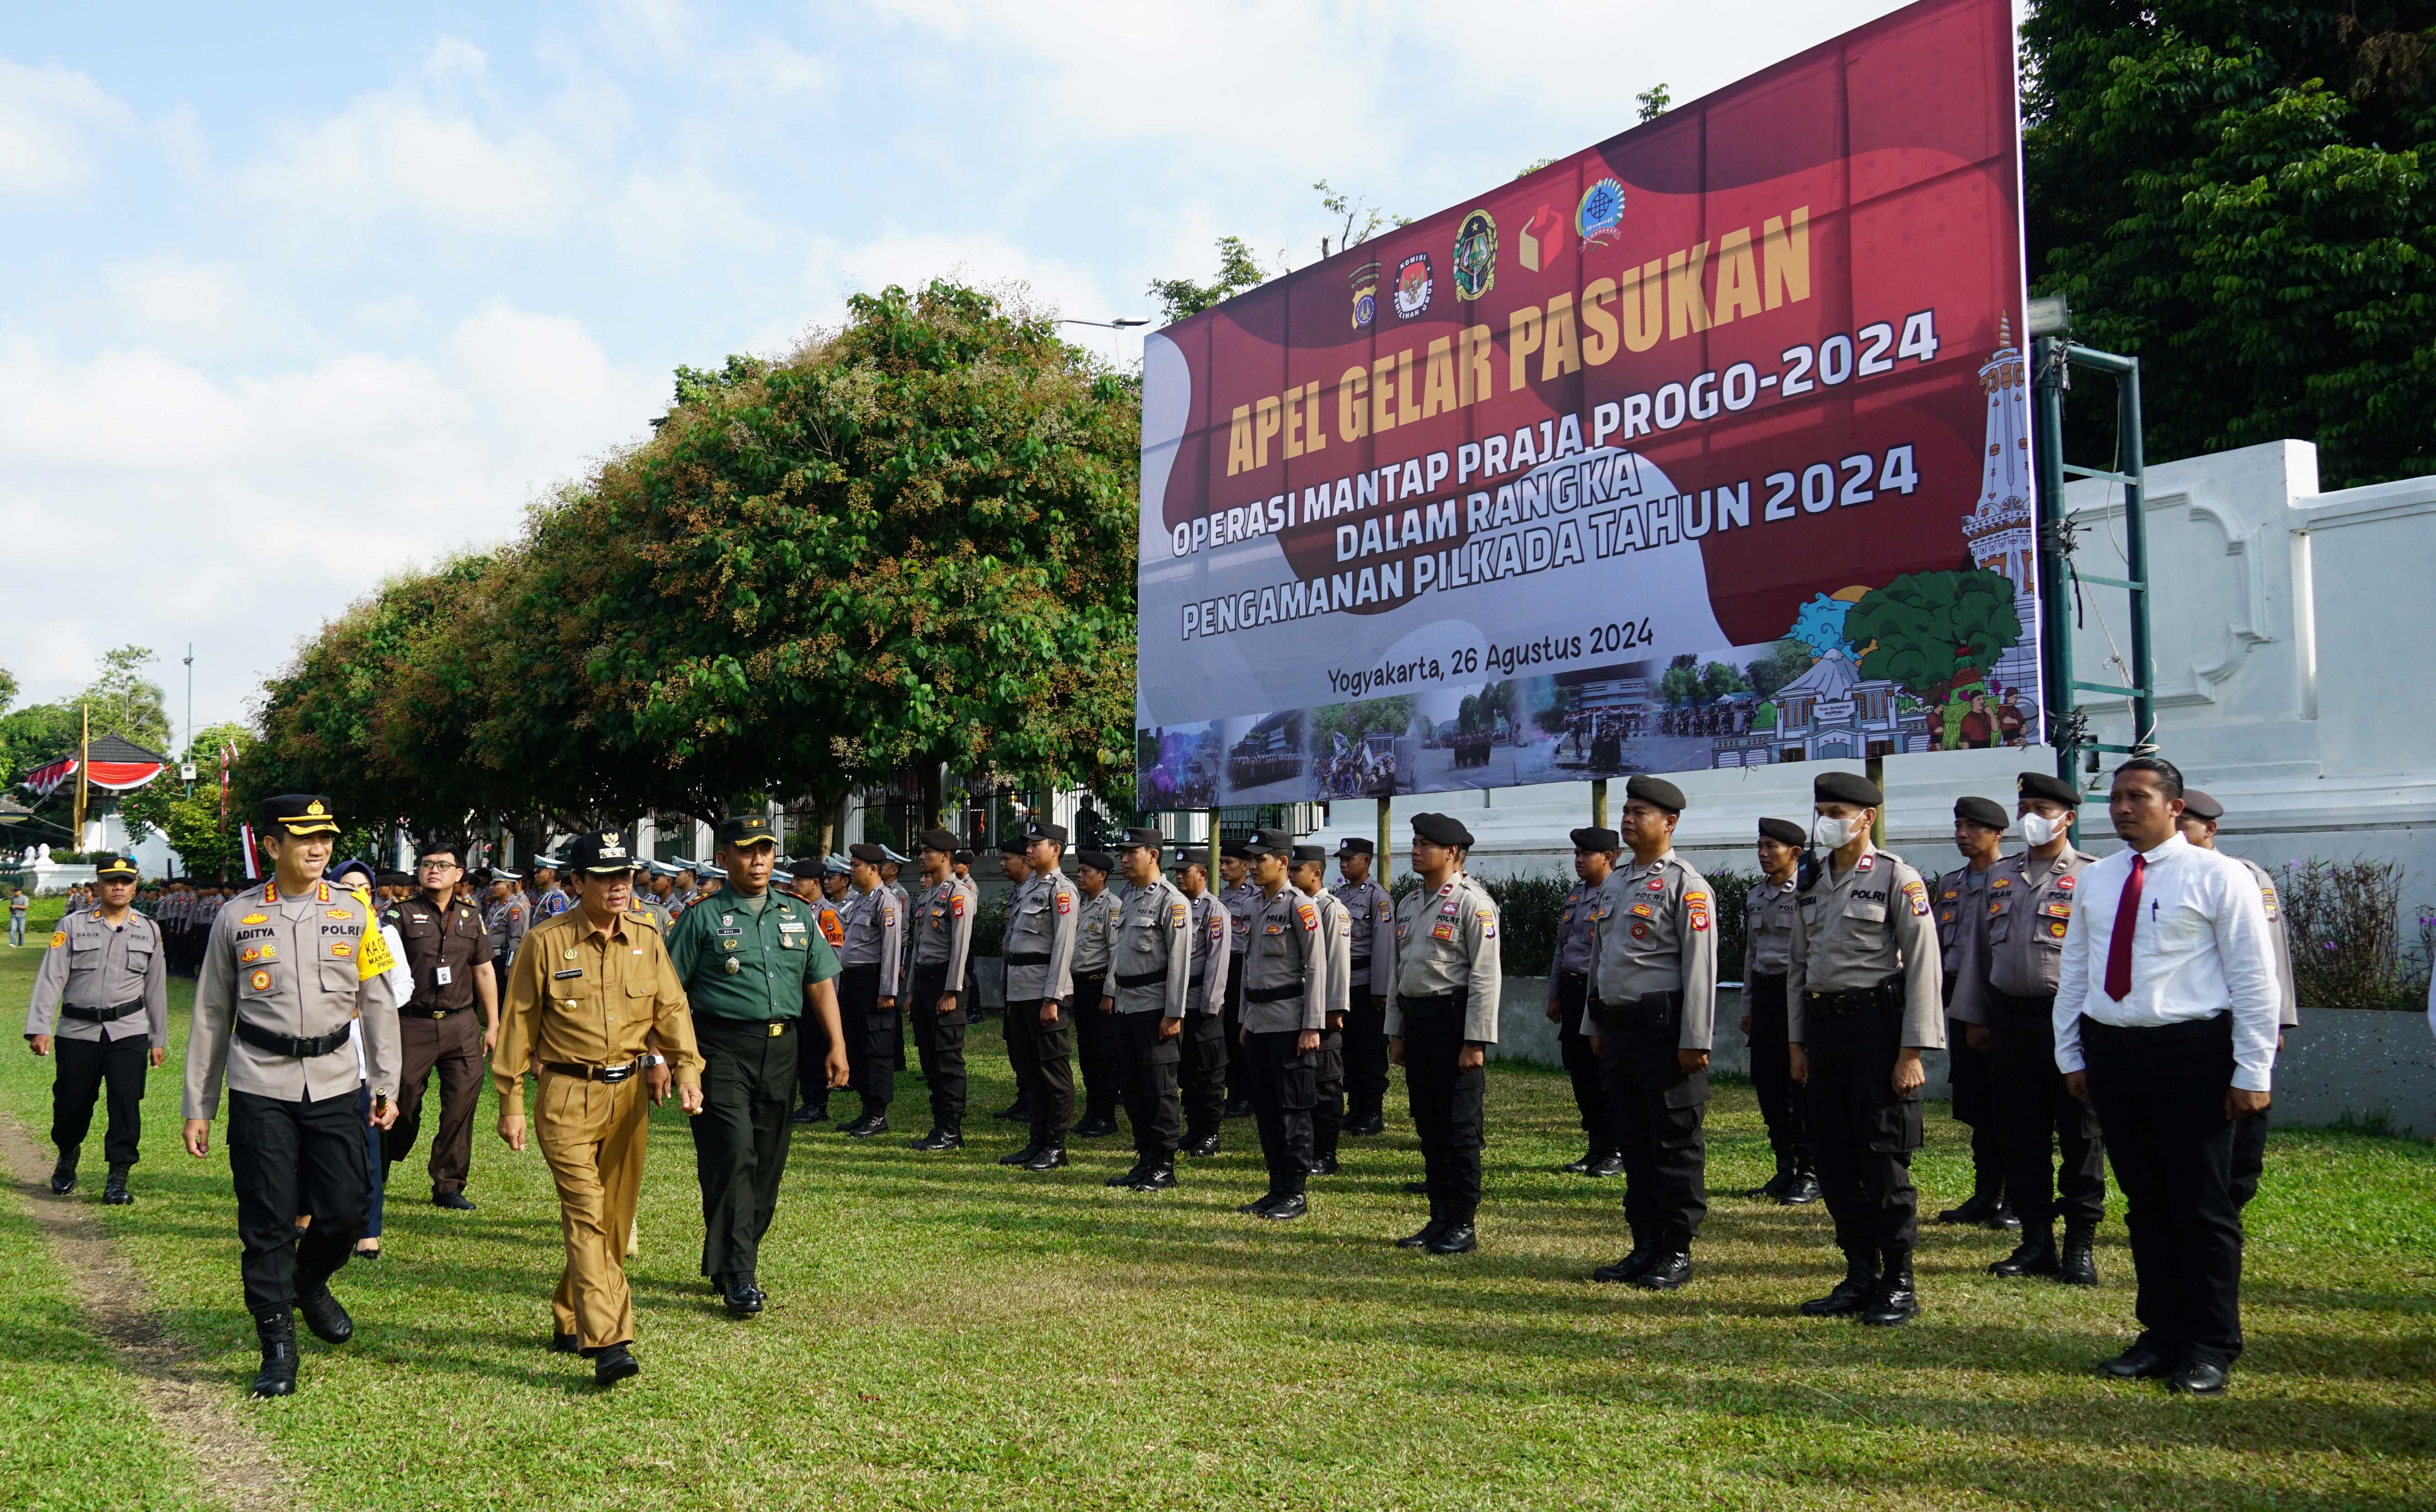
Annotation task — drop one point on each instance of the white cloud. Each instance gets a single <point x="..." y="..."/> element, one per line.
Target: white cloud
<point x="394" y="156"/>
<point x="657" y="218"/>
<point x="770" y="67"/>
<point x="453" y="58"/>
<point x="49" y="118"/>
<point x="661" y="26"/>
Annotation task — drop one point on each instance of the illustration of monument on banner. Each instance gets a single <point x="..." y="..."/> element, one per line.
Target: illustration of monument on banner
<point x="1933" y="660"/>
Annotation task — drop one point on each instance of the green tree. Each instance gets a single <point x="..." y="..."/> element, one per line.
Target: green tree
<point x="1652" y="103"/>
<point x="1784" y="661"/>
<point x="127" y="704"/>
<point x="196" y="825"/>
<point x="1934" y="631"/>
<point x="1390" y="716"/>
<point x="2237" y="191"/>
<point x="1238" y="271"/>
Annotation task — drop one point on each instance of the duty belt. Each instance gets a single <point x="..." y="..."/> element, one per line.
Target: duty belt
<point x="1437" y="1006"/>
<point x="101" y="1015"/>
<point x="290" y="1045"/>
<point x="1144" y="978"/>
<point x="1272" y="994"/>
<point x="2043" y="1007"/>
<point x="1832" y="1005"/>
<point x="431" y="1013"/>
<point x="1040" y="960"/>
<point x="611" y="1075"/>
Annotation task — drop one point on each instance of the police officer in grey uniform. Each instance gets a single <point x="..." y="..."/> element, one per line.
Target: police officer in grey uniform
<point x="505" y="918"/>
<point x="1767" y="952"/>
<point x="1039" y="950"/>
<point x="874" y="959"/>
<point x="1241" y="897"/>
<point x="1203" y="1069"/>
<point x="1653" y="1010"/>
<point x="101" y="1008"/>
<point x="1151" y="970"/>
<point x="939" y="1006"/>
<point x="1867" y="997"/>
<point x="1441" y="1019"/>
<point x="2011" y="999"/>
<point x="1962" y="898"/>
<point x="1337" y="930"/>
<point x="1372" y="911"/>
<point x="2200" y="816"/>
<point x="1595" y="852"/>
<point x="1285" y="1007"/>
<point x="1098" y="1056"/>
<point x="295" y="969"/>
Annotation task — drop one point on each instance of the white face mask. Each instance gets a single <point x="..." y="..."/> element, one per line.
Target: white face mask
<point x="2039" y="830"/>
<point x="1830" y="833"/>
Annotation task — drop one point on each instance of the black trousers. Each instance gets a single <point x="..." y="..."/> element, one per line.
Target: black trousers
<point x="453" y="1047"/>
<point x="2034" y="1115"/>
<point x="1654" y="1113"/>
<point x="740" y="1137"/>
<point x="1202" y="1074"/>
<point x="1099" y="1048"/>
<point x="1283" y="1083"/>
<point x="1861" y="1134"/>
<point x="2249" y="1157"/>
<point x="872" y="1037"/>
<point x="1328" y="1095"/>
<point x="1238" y="1089"/>
<point x="1447" y="1107"/>
<point x="939" y="1039"/>
<point x="82" y="1068"/>
<point x="1044" y="1068"/>
<point x="1771" y="1072"/>
<point x="1150" y="1067"/>
<point x="813" y="1059"/>
<point x="1365" y="1056"/>
<point x="2160" y="1097"/>
<point x="289" y="1159"/>
<point x="1973" y="1077"/>
<point x="1582" y="1062"/>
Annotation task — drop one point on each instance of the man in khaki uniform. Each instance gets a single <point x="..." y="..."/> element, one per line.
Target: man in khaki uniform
<point x="2200" y="814"/>
<point x="105" y="983"/>
<point x="1442" y="1003"/>
<point x="1867" y="996"/>
<point x="294" y="970"/>
<point x="590" y="995"/>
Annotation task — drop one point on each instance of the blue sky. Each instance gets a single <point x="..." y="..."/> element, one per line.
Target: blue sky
<point x="297" y="297"/>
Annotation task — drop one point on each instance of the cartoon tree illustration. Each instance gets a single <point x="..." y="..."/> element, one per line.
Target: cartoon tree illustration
<point x="1934" y="631"/>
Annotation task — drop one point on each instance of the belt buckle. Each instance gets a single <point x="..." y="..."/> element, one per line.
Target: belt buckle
<point x="612" y="1075"/>
<point x="778" y="1027"/>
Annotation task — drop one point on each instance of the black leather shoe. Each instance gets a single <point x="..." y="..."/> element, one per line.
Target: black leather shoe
<point x="2201" y="1378"/>
<point x="1018" y="1111"/>
<point x="1665" y="1272"/>
<point x="1047" y="1158"/>
<point x="1772" y="1189"/>
<point x="1803" y="1186"/>
<point x="1418" y="1189"/>
<point x="1257" y="1205"/>
<point x="1094" y="1126"/>
<point x="1293" y="1205"/>
<point x="1982" y="1204"/>
<point x="564" y="1343"/>
<point x="743" y="1298"/>
<point x="937" y="1140"/>
<point x="1141" y="1169"/>
<point x="277" y="1331"/>
<point x="1604" y="1167"/>
<point x="865" y="1126"/>
<point x="614" y="1363"/>
<point x="324" y="1316"/>
<point x="1850" y="1296"/>
<point x="2079" y="1264"/>
<point x="63" y="1173"/>
<point x="1159" y="1177"/>
<point x="1577" y="1164"/>
<point x="114" y="1188"/>
<point x="2004" y="1217"/>
<point x="1455" y="1238"/>
<point x="1019" y="1157"/>
<point x="812" y="1113"/>
<point x="2142" y="1362"/>
<point x="1324" y="1166"/>
<point x="1427" y="1235"/>
<point x="456" y="1202"/>
<point x="1239" y="1107"/>
<point x="1367" y="1125"/>
<point x="1629" y="1268"/>
<point x="1202" y="1148"/>
<point x="1892" y="1300"/>
<point x="2034" y="1255"/>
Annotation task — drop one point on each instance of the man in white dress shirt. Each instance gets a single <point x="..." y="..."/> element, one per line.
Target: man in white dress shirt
<point x="2165" y="1022"/>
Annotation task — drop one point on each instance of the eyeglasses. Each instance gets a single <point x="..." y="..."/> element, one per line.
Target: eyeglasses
<point x="441" y="866"/>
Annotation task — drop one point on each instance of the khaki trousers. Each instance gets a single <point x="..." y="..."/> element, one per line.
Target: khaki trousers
<point x="592" y="1135"/>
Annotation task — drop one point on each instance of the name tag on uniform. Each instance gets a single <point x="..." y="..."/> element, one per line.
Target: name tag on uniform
<point x="1273" y="928"/>
<point x="442" y="976"/>
<point x="790" y="926"/>
<point x="561" y="976"/>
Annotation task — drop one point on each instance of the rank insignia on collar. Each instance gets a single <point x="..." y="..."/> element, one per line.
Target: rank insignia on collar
<point x="1867" y="862"/>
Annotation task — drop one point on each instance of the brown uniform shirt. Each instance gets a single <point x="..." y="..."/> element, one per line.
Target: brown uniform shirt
<point x="439" y="944"/>
<point x="580" y="998"/>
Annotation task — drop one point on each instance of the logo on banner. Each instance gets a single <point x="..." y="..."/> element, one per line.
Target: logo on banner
<point x="1365" y="295"/>
<point x="1600" y="211"/>
<point x="1475" y="255"/>
<point x="1542" y="239"/>
<point x="1413" y="286"/>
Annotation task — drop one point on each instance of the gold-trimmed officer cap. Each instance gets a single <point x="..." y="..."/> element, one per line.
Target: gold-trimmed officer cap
<point x="115" y="869"/>
<point x="742" y="830"/>
<point x="300" y="813"/>
<point x="599" y="854"/>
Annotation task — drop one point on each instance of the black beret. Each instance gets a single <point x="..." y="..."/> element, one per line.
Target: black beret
<point x="1099" y="861"/>
<point x="1441" y="830"/>
<point x="598" y="855"/>
<point x="2055" y="790"/>
<point x="1655" y="791"/>
<point x="1354" y="845"/>
<point x="746" y="830"/>
<point x="809" y="871"/>
<point x="939" y="840"/>
<point x="961" y="857"/>
<point x="1145" y="837"/>
<point x="1014" y="845"/>
<point x="1784" y="831"/>
<point x="2198" y="804"/>
<point x="1845" y="787"/>
<point x="1986" y="812"/>
<point x="300" y="813"/>
<point x="1589" y="837"/>
<point x="114" y="869"/>
<point x="1270" y="842"/>
<point x="865" y="851"/>
<point x="1310" y="853"/>
<point x="393" y="879"/>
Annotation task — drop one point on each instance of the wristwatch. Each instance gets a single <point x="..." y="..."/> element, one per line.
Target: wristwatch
<point x="651" y="1061"/>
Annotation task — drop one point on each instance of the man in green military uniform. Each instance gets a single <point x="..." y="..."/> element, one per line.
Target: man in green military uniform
<point x="750" y="960"/>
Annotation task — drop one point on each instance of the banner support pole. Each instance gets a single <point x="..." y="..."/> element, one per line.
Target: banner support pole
<point x="1599" y="803"/>
<point x="1209" y="866"/>
<point x="1876" y="767"/>
<point x="1384" y="863"/>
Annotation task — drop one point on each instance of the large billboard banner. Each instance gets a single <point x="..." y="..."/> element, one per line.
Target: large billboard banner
<point x="1706" y="448"/>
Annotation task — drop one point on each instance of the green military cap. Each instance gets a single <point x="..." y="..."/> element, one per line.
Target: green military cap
<point x="746" y="829"/>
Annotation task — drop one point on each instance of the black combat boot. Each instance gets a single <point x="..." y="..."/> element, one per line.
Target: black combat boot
<point x="1851" y="1294"/>
<point x="1985" y="1201"/>
<point x="63" y="1173"/>
<point x="1892" y="1300"/>
<point x="938" y="1139"/>
<point x="1667" y="1270"/>
<point x="277" y="1331"/>
<point x="323" y="1314"/>
<point x="1802" y="1186"/>
<point x="2034" y="1255"/>
<point x="113" y="1186"/>
<point x="1159" y="1177"/>
<point x="1773" y="1187"/>
<point x="1047" y="1158"/>
<point x="2079" y="1266"/>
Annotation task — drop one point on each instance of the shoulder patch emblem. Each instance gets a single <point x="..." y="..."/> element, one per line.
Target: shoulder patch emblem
<point x="1308" y="914"/>
<point x="1386" y="910"/>
<point x="956" y="906"/>
<point x="1065" y="902"/>
<point x="1916" y="896"/>
<point x="2267" y="895"/>
<point x="887" y="914"/>
<point x="260" y="981"/>
<point x="1696" y="905"/>
<point x="1178" y="915"/>
<point x="59" y="938"/>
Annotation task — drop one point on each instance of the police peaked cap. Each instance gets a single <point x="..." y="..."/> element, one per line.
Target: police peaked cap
<point x="746" y="829"/>
<point x="1354" y="845"/>
<point x="1310" y="853"/>
<point x="300" y="813"/>
<point x="1594" y="839"/>
<point x="866" y="852"/>
<point x="1657" y="790"/>
<point x="1784" y="831"/>
<point x="2055" y="790"/>
<point x="1050" y="832"/>
<point x="1099" y="861"/>
<point x="1985" y="812"/>
<point x="939" y="840"/>
<point x="1235" y="850"/>
<point x="499" y="875"/>
<point x="838" y="865"/>
<point x="1442" y="829"/>
<point x="1277" y="843"/>
<point x="1151" y="838"/>
<point x="1845" y="787"/>
<point x="889" y="854"/>
<point x="2196" y="804"/>
<point x="115" y="868"/>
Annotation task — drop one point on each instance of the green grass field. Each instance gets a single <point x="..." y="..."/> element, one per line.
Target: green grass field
<point x="944" y="1333"/>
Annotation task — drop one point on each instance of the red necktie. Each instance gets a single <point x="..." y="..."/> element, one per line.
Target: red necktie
<point x="2127" y="918"/>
